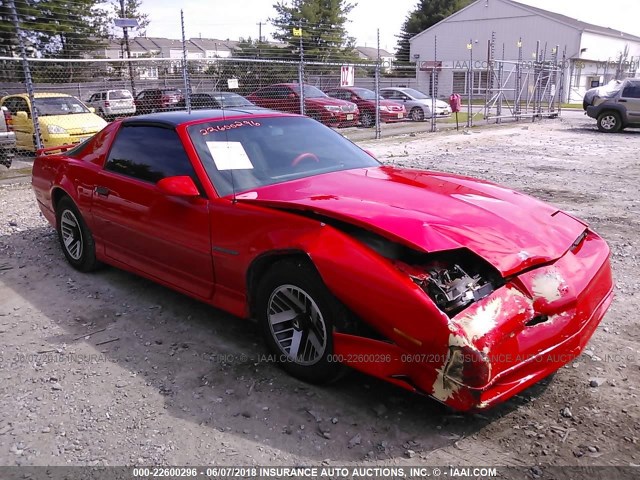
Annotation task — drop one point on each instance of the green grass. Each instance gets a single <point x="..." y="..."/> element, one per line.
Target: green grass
<point x="462" y="118"/>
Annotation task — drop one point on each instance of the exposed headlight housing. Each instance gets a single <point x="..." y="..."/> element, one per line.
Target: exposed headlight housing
<point x="56" y="129"/>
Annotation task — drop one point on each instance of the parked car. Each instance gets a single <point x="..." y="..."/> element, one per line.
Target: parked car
<point x="158" y="100"/>
<point x="217" y="100"/>
<point x="317" y="104"/>
<point x="615" y="107"/>
<point x="63" y="119"/>
<point x="112" y="103"/>
<point x="418" y="104"/>
<point x="7" y="138"/>
<point x="438" y="283"/>
<point x="365" y="99"/>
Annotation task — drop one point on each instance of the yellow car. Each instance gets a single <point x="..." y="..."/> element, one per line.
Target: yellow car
<point x="63" y="119"/>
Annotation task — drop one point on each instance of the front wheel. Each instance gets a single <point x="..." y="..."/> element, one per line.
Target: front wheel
<point x="367" y="119"/>
<point x="297" y="315"/>
<point x="609" y="122"/>
<point x="75" y="238"/>
<point x="417" y="114"/>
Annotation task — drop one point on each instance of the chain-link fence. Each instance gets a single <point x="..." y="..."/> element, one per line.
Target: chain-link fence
<point x="63" y="91"/>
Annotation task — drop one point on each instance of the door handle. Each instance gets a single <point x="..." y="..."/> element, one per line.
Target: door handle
<point x="102" y="191"/>
<point x="622" y="101"/>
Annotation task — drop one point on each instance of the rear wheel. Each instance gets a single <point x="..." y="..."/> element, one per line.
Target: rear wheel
<point x="609" y="122"/>
<point x="297" y="315"/>
<point x="75" y="237"/>
<point x="417" y="114"/>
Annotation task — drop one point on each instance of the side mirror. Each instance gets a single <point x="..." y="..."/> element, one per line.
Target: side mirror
<point x="22" y="115"/>
<point x="92" y="110"/>
<point x="181" y="186"/>
<point x="292" y="95"/>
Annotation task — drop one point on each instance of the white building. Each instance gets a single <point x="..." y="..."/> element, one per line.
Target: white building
<point x="594" y="54"/>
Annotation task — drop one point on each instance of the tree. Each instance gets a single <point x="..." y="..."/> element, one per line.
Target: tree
<point x="426" y="14"/>
<point x="324" y="35"/>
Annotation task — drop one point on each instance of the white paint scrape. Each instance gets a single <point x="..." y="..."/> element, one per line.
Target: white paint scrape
<point x="483" y="320"/>
<point x="443" y="387"/>
<point x="548" y="286"/>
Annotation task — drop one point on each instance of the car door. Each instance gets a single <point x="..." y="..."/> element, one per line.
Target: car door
<point x="23" y="126"/>
<point x="630" y="97"/>
<point x="166" y="237"/>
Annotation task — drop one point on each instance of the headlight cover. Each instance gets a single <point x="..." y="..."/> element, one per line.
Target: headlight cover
<point x="333" y="108"/>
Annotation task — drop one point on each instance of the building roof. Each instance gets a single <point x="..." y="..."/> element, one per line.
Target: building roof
<point x="372" y="53"/>
<point x="213" y="44"/>
<point x="564" y="19"/>
<point x="580" y="25"/>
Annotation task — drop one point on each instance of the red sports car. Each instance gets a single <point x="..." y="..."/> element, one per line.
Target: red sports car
<point x="441" y="284"/>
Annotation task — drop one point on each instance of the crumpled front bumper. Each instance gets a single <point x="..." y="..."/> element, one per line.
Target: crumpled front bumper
<point x="538" y="322"/>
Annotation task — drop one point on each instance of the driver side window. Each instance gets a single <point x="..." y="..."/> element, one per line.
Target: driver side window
<point x="149" y="154"/>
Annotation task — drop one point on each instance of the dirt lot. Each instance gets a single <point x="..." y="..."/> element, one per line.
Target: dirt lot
<point x="167" y="380"/>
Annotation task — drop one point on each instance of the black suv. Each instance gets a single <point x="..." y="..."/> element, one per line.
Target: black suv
<point x="615" y="106"/>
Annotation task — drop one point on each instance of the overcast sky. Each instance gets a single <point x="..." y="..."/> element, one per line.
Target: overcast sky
<point x="239" y="18"/>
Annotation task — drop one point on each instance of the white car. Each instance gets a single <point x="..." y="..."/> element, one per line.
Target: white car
<point x="112" y="103"/>
<point x="417" y="104"/>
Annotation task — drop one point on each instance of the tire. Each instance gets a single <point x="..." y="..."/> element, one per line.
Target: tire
<point x="75" y="237"/>
<point x="609" y="122"/>
<point x="6" y="158"/>
<point x="367" y="119"/>
<point x="417" y="114"/>
<point x="295" y="307"/>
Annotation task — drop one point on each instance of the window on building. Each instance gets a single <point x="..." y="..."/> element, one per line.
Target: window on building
<point x="460" y="82"/>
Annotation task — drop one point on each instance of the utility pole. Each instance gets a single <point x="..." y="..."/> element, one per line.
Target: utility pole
<point x="126" y="43"/>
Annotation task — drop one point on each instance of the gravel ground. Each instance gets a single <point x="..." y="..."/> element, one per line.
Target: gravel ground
<point x="111" y="369"/>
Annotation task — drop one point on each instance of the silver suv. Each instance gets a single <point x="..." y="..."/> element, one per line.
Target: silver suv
<point x="616" y="106"/>
<point x="112" y="103"/>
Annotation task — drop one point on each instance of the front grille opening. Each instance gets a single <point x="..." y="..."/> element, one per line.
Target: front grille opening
<point x="537" y="320"/>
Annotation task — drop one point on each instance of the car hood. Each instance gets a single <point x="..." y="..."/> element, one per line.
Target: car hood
<point x="431" y="211"/>
<point x="326" y="101"/>
<point x="86" y="122"/>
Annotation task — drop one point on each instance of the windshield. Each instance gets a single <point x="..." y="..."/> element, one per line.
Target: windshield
<point x="119" y="94"/>
<point x="59" y="106"/>
<point x="365" y="94"/>
<point x="309" y="91"/>
<point x="251" y="153"/>
<point x="233" y="100"/>
<point x="416" y="94"/>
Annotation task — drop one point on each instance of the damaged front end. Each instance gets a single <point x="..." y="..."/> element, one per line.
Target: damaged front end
<point x="453" y="280"/>
<point x="504" y="334"/>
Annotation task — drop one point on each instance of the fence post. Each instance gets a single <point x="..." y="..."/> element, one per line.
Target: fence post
<point x="470" y="85"/>
<point x="185" y="70"/>
<point x="377" y="88"/>
<point x="37" y="137"/>
<point x="301" y="70"/>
